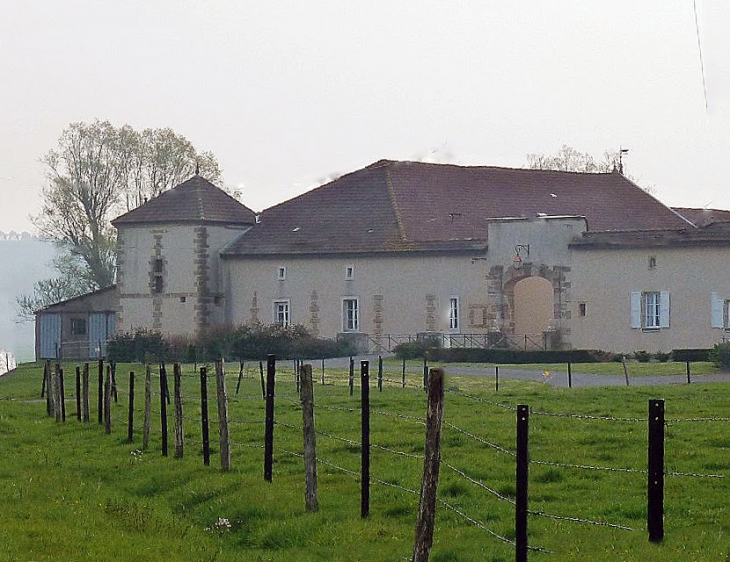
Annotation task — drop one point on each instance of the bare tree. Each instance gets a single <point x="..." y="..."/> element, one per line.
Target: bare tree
<point x="568" y="159"/>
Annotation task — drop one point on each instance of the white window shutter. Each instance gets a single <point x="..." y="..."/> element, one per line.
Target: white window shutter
<point x="664" y="309"/>
<point x="636" y="309"/>
<point x="716" y="315"/>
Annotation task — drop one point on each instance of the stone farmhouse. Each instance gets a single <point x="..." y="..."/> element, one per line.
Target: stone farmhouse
<point x="470" y="256"/>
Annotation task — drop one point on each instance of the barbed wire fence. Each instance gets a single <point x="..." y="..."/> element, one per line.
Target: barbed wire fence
<point x="158" y="397"/>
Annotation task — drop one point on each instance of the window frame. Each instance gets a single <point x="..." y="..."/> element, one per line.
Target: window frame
<point x="349" y="272"/>
<point x="286" y="322"/>
<point x="281" y="273"/>
<point x="350" y="315"/>
<point x="650" y="310"/>
<point x="75" y="323"/>
<point x="454" y="314"/>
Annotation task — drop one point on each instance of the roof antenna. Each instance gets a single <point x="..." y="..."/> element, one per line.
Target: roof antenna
<point x="621" y="153"/>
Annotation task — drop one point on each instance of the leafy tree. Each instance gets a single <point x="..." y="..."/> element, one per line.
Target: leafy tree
<point x="97" y="172"/>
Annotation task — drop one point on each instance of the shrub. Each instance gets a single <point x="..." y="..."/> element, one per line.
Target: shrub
<point x="642" y="356"/>
<point x="691" y="354"/>
<point x="720" y="356"/>
<point x="413" y="350"/>
<point x="662" y="357"/>
<point x="142" y="346"/>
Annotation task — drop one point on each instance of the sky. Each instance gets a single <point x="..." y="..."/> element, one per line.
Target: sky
<point x="288" y="94"/>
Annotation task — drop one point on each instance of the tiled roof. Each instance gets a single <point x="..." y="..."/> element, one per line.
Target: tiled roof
<point x="703" y="217"/>
<point x="715" y="234"/>
<point x="195" y="200"/>
<point x="390" y="206"/>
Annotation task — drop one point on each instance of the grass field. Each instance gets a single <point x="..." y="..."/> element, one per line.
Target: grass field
<point x="68" y="491"/>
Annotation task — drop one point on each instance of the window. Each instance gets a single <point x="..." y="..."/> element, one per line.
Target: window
<point x="582" y="309"/>
<point x="158" y="266"/>
<point x="350" y="315"/>
<point x="454" y="314"/>
<point x="652" y="262"/>
<point x="720" y="312"/>
<point x="650" y="310"/>
<point x="281" y="313"/>
<point x="78" y="326"/>
<point x="281" y="274"/>
<point x="350" y="272"/>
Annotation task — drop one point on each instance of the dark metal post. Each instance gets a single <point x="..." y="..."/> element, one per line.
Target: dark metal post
<point x="496" y="378"/>
<point x="380" y="373"/>
<point x="204" y="414"/>
<point x="570" y="376"/>
<point x="689" y="377"/>
<point x="403" y="375"/>
<point x="523" y="416"/>
<point x="269" y="436"/>
<point x="365" y="419"/>
<point x="655" y="493"/>
<point x="163" y="408"/>
<point x="130" y="424"/>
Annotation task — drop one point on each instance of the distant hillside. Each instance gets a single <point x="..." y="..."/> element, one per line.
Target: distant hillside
<point x="24" y="259"/>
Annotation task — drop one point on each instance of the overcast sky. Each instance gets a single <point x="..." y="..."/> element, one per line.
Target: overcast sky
<point x="289" y="93"/>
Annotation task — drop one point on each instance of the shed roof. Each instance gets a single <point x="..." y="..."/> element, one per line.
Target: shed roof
<point x="411" y="206"/>
<point x="194" y="201"/>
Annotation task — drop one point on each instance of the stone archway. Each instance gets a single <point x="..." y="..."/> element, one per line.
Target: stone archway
<point x="533" y="309"/>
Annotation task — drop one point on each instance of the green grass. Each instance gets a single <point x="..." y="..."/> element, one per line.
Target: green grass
<point x="68" y="491"/>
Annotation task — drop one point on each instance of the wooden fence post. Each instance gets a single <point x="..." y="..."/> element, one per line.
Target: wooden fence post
<point x="425" y="370"/>
<point x="351" y="379"/>
<point x="240" y="377"/>
<point x="263" y="380"/>
<point x="523" y="419"/>
<point x="311" y="502"/>
<point x="365" y="419"/>
<point x="403" y="374"/>
<point x="62" y="393"/>
<point x="130" y="420"/>
<point x="269" y="422"/>
<point x="108" y="401"/>
<point x="225" y="441"/>
<point x="204" y="414"/>
<point x="626" y="369"/>
<point x="114" y="382"/>
<point x="100" y="394"/>
<point x="57" y="392"/>
<point x="177" y="389"/>
<point x="655" y="492"/>
<point x="78" y="393"/>
<point x="322" y="372"/>
<point x="496" y="378"/>
<point x="147" y="408"/>
<point x="47" y="388"/>
<point x="689" y="375"/>
<point x="431" y="462"/>
<point x="85" y="391"/>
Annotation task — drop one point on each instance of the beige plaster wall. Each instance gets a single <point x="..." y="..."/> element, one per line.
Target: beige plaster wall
<point x="191" y="294"/>
<point x="397" y="294"/>
<point x="604" y="279"/>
